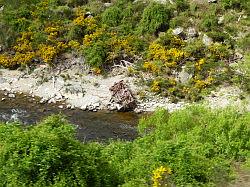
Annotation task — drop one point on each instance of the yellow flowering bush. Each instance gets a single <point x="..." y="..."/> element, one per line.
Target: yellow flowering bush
<point x="151" y="66"/>
<point x="90" y="23"/>
<point x="200" y="83"/>
<point x="219" y="51"/>
<point x="155" y="86"/>
<point x="52" y="32"/>
<point x="120" y="47"/>
<point x="6" y="61"/>
<point x="47" y="52"/>
<point x="23" y="58"/>
<point x="170" y="57"/>
<point x="73" y="44"/>
<point x="160" y="176"/>
<point x="89" y="38"/>
<point x="199" y="64"/>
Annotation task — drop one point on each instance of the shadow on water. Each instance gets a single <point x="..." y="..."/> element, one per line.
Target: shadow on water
<point x="98" y="126"/>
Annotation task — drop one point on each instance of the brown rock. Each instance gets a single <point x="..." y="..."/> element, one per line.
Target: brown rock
<point x="122" y="96"/>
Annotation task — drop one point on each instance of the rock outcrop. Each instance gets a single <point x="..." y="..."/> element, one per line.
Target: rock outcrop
<point x="121" y="97"/>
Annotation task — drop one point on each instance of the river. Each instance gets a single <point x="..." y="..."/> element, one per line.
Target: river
<point x="99" y="126"/>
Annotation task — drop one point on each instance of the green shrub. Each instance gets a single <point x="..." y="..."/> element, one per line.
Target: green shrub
<point x="196" y="145"/>
<point x="155" y="18"/>
<point x="112" y="16"/>
<point x="96" y="54"/>
<point x="181" y="5"/>
<point x="48" y="155"/>
<point x="209" y="23"/>
<point x="235" y="4"/>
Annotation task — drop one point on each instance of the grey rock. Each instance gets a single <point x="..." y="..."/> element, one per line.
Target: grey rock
<point x="3" y="99"/>
<point x="107" y="4"/>
<point x="212" y="1"/>
<point x="191" y="32"/>
<point x="84" y="107"/>
<point x="43" y="100"/>
<point x="184" y="76"/>
<point x="2" y="80"/>
<point x="52" y="100"/>
<point x="60" y="106"/>
<point x="207" y="40"/>
<point x="178" y="31"/>
<point x="220" y="20"/>
<point x="11" y="95"/>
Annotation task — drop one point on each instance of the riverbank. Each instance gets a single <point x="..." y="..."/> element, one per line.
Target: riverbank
<point x="73" y="85"/>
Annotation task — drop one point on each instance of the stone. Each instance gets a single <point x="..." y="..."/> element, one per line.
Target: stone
<point x="60" y="106"/>
<point x="11" y="95"/>
<point x="212" y="1"/>
<point x="184" y="76"/>
<point x="2" y="80"/>
<point x="107" y="4"/>
<point x="178" y="31"/>
<point x="43" y="100"/>
<point x="191" y="32"/>
<point x="3" y="99"/>
<point x="52" y="100"/>
<point x="84" y="107"/>
<point x="220" y="20"/>
<point x="207" y="40"/>
<point x="122" y="97"/>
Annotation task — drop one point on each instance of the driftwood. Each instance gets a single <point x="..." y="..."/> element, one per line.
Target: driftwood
<point x="122" y="96"/>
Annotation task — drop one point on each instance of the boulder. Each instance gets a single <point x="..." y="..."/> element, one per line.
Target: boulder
<point x="179" y="31"/>
<point x="191" y="32"/>
<point x="207" y="40"/>
<point x="122" y="97"/>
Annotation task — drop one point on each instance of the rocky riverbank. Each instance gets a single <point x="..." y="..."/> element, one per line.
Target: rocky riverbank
<point x="74" y="86"/>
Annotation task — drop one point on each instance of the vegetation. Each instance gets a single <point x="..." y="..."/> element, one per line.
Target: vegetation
<point x="140" y="32"/>
<point x="190" y="147"/>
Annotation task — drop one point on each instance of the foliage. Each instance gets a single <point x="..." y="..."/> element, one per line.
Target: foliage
<point x="191" y="147"/>
<point x="49" y="155"/>
<point x="39" y="31"/>
<point x="155" y="18"/>
<point x="112" y="16"/>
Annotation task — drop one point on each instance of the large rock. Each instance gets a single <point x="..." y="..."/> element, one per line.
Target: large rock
<point x="191" y="32"/>
<point x="122" y="97"/>
<point x="207" y="40"/>
<point x="179" y="31"/>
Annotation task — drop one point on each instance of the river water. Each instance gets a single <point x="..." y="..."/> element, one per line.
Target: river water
<point x="99" y="126"/>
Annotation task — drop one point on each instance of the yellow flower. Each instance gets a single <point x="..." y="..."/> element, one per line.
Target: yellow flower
<point x="155" y="87"/>
<point x="199" y="64"/>
<point x="159" y="176"/>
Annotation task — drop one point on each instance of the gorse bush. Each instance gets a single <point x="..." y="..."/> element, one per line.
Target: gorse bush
<point x="190" y="147"/>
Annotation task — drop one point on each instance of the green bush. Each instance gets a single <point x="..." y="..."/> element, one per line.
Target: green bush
<point x="96" y="54"/>
<point x="181" y="5"/>
<point x="198" y="145"/>
<point x="235" y="4"/>
<point x="155" y="18"/>
<point x="112" y="16"/>
<point x="49" y="155"/>
<point x="209" y="23"/>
